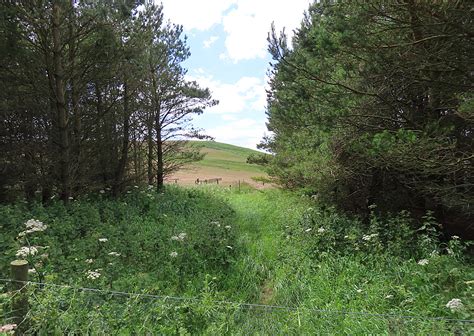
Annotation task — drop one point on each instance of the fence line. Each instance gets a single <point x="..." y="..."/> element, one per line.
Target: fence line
<point x="240" y="304"/>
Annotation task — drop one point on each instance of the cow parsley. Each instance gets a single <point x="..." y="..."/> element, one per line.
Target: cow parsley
<point x="455" y="304"/>
<point x="26" y="251"/>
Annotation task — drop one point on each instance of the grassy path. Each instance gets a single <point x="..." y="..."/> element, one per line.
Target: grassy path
<point x="274" y="270"/>
<point x="261" y="217"/>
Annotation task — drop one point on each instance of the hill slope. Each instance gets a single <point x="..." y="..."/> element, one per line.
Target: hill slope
<point x="221" y="160"/>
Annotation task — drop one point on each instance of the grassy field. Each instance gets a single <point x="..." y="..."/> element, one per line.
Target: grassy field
<point x="221" y="160"/>
<point x="304" y="269"/>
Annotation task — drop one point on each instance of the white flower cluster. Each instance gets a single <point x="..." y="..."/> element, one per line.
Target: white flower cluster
<point x="8" y="328"/>
<point x="93" y="274"/>
<point x="26" y="251"/>
<point x="33" y="225"/>
<point x="173" y="254"/>
<point x="182" y="236"/>
<point x="370" y="236"/>
<point x="455" y="304"/>
<point x="423" y="262"/>
<point x="228" y="227"/>
<point x="321" y="230"/>
<point x="89" y="261"/>
<point x="216" y="223"/>
<point x="103" y="240"/>
<point x="115" y="254"/>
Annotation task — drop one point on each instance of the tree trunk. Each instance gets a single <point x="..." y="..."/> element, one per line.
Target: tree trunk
<point x="77" y="172"/>
<point x="120" y="172"/>
<point x="159" y="154"/>
<point x="150" y="151"/>
<point x="62" y="117"/>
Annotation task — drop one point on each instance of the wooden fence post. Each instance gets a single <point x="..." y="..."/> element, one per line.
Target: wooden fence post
<point x="19" y="276"/>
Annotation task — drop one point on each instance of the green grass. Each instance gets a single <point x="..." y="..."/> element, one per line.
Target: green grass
<point x="225" y="156"/>
<point x="264" y="247"/>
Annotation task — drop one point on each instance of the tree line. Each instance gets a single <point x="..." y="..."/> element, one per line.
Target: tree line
<point x="373" y="105"/>
<point x="93" y="95"/>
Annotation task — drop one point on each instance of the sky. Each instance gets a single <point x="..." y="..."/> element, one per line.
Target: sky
<point x="228" y="43"/>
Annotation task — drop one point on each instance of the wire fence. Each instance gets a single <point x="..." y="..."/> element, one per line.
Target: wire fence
<point x="59" y="309"/>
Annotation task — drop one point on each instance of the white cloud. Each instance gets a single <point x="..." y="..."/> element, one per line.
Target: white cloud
<point x="242" y="132"/>
<point x="228" y="117"/>
<point x="209" y="42"/>
<point x="193" y="14"/>
<point x="246" y="94"/>
<point x="246" y="22"/>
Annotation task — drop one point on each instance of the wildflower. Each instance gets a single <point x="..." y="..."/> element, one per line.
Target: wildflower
<point x="89" y="261"/>
<point x="33" y="225"/>
<point x="216" y="223"/>
<point x="103" y="240"/>
<point x="31" y="271"/>
<point x="359" y="290"/>
<point x="182" y="236"/>
<point x="26" y="251"/>
<point x="455" y="304"/>
<point x="423" y="262"/>
<point x="7" y="328"/>
<point x="369" y="237"/>
<point x="36" y="225"/>
<point x="308" y="230"/>
<point x="173" y="254"/>
<point x="135" y="187"/>
<point x="102" y="191"/>
<point x="455" y="237"/>
<point x="346" y="237"/>
<point x="175" y="238"/>
<point x="229" y="247"/>
<point x="93" y="274"/>
<point x="115" y="254"/>
<point x="70" y="198"/>
<point x="389" y="296"/>
<point x="228" y="227"/>
<point x="321" y="230"/>
<point x="450" y="252"/>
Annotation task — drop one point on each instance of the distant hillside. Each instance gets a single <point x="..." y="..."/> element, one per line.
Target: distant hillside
<point x="222" y="160"/>
<point x="225" y="156"/>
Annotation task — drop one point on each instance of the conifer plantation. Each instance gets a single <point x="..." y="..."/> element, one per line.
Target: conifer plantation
<point x="357" y="217"/>
<point x="92" y="96"/>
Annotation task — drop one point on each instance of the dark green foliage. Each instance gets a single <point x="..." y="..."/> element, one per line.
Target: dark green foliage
<point x="372" y="105"/>
<point x="139" y="226"/>
<point x="260" y="159"/>
<point x="85" y="87"/>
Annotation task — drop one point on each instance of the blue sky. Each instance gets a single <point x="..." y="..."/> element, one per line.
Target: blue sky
<point x="229" y="55"/>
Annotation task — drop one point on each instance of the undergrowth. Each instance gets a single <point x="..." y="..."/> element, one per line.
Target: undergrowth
<point x="197" y="253"/>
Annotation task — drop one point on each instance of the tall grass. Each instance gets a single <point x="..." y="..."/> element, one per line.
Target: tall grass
<point x="322" y="272"/>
